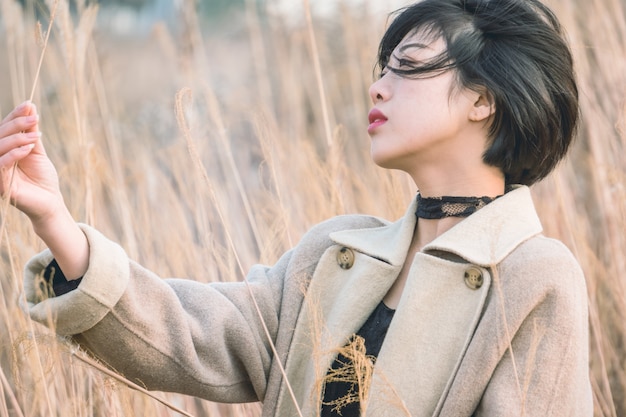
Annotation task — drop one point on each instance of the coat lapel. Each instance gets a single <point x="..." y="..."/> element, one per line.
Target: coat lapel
<point x="490" y="234"/>
<point x="337" y="303"/>
<point x="430" y="331"/>
<point x="484" y="238"/>
<point x="333" y="310"/>
<point x="436" y="316"/>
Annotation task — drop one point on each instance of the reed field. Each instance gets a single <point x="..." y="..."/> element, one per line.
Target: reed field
<point x="204" y="146"/>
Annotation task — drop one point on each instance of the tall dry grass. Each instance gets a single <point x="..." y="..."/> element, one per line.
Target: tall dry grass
<point x="280" y="154"/>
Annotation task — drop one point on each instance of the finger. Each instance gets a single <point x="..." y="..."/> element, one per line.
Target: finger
<point x="17" y="140"/>
<point x="38" y="143"/>
<point x="34" y="125"/>
<point x="34" y="129"/>
<point x="33" y="114"/>
<point x="19" y="124"/>
<point x="15" y="155"/>
<point x="23" y="109"/>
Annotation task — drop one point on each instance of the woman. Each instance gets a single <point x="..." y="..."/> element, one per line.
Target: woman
<point x="460" y="308"/>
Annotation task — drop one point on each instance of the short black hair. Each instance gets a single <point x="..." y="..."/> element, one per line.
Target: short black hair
<point x="516" y="50"/>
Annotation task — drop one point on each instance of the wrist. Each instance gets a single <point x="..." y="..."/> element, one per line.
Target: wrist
<point x="54" y="220"/>
<point x="65" y="239"/>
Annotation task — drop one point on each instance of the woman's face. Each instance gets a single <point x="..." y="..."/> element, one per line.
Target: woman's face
<point x="417" y="121"/>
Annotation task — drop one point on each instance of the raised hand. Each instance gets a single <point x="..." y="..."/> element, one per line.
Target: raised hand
<point x="30" y="180"/>
<point x="28" y="177"/>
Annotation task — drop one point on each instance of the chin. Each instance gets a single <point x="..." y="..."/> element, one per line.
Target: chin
<point x="386" y="155"/>
<point x="383" y="159"/>
<point x="378" y="157"/>
<point x="384" y="162"/>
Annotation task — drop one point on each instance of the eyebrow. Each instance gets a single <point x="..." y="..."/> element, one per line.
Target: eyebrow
<point x="413" y="45"/>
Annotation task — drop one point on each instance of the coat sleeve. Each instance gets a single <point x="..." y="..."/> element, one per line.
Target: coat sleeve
<point x="544" y="370"/>
<point x="174" y="335"/>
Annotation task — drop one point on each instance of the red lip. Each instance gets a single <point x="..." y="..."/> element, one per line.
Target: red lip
<point x="376" y="118"/>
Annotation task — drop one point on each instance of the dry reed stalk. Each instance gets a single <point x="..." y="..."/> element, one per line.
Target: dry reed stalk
<point x="269" y="155"/>
<point x="195" y="156"/>
<point x="356" y="371"/>
<point x="214" y="111"/>
<point x="3" y="232"/>
<point x="7" y="203"/>
<point x="119" y="189"/>
<point x="538" y="333"/>
<point x="498" y="286"/>
<point x="7" y="391"/>
<point x="393" y="397"/>
<point x="318" y="74"/>
<point x="12" y="17"/>
<point x="196" y="44"/>
<point x="8" y="200"/>
<point x="318" y="336"/>
<point x="589" y="215"/>
<point x="358" y="368"/>
<point x="95" y="364"/>
<point x="76" y="44"/>
<point x="575" y="244"/>
<point x="258" y="52"/>
<point x="44" y="47"/>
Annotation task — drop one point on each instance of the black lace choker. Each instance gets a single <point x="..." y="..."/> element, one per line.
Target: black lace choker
<point x="440" y="207"/>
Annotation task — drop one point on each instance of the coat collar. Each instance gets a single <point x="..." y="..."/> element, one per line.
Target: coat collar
<point x="484" y="238"/>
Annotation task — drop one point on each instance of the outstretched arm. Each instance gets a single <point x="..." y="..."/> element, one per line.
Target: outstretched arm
<point x="30" y="181"/>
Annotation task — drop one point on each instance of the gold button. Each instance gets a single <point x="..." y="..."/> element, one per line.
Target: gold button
<point x="473" y="278"/>
<point x="345" y="258"/>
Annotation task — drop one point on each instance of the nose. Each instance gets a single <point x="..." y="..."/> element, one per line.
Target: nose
<point x="378" y="91"/>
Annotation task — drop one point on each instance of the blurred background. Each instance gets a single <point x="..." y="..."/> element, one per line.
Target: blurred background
<point x="272" y="95"/>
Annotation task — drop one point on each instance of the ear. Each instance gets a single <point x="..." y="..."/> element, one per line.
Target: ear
<point x="484" y="106"/>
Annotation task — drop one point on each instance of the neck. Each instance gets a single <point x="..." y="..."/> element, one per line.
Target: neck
<point x="475" y="184"/>
<point x="428" y="230"/>
<point x="457" y="170"/>
<point x="479" y="181"/>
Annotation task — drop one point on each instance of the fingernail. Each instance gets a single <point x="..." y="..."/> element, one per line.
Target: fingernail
<point x="28" y="147"/>
<point x="32" y="118"/>
<point x="34" y="135"/>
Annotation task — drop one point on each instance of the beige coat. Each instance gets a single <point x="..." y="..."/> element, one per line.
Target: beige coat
<point x="492" y="321"/>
